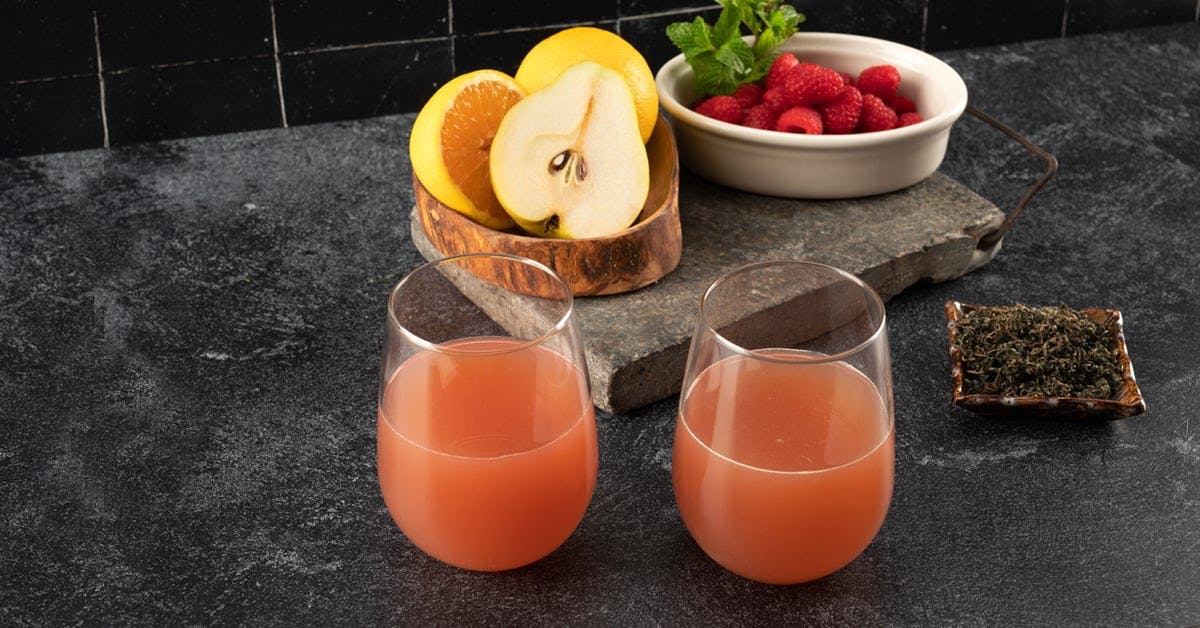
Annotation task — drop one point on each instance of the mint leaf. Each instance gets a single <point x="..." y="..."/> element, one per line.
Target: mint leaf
<point x="711" y="77"/>
<point x="692" y="38"/>
<point x="763" y="10"/>
<point x="721" y="60"/>
<point x="783" y="21"/>
<point x="741" y="10"/>
<point x="764" y="46"/>
<point x="737" y="56"/>
<point x="728" y="26"/>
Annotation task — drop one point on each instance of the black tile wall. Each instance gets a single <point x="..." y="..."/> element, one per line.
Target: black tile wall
<point x="174" y="68"/>
<point x="364" y="82"/>
<point x="649" y="34"/>
<point x="40" y="39"/>
<point x="957" y="24"/>
<point x="504" y="50"/>
<point x="50" y="116"/>
<point x="1089" y="16"/>
<point x="498" y="51"/>
<point x="140" y="33"/>
<point x="482" y="16"/>
<point x="642" y="7"/>
<point x="309" y="24"/>
<point x="196" y="99"/>
<point x="898" y="20"/>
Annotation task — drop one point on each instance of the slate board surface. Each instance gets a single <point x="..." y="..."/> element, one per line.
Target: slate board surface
<point x="637" y="342"/>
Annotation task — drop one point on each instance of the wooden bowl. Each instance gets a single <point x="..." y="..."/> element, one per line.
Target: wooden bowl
<point x="1128" y="403"/>
<point x="638" y="256"/>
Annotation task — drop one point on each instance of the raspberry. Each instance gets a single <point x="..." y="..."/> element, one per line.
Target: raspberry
<point x="775" y="99"/>
<point x="761" y="117"/>
<point x="748" y="95"/>
<point x="800" y="120"/>
<point x="811" y="84"/>
<point x="908" y="118"/>
<point x="782" y="64"/>
<point x="881" y="80"/>
<point x="903" y="105"/>
<point x="876" y="115"/>
<point x="841" y="114"/>
<point x="847" y="78"/>
<point x="724" y="108"/>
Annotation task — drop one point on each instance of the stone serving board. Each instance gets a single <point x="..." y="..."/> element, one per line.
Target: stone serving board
<point x="637" y="342"/>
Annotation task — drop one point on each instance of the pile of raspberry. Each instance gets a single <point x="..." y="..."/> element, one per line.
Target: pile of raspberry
<point x="801" y="97"/>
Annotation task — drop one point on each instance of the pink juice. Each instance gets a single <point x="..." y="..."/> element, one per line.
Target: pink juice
<point x="487" y="462"/>
<point x="786" y="476"/>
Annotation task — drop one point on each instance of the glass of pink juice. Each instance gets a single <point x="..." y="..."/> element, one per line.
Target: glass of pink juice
<point x="486" y="441"/>
<point x="784" y="444"/>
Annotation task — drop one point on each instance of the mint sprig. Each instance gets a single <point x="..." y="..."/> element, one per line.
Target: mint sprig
<point x="720" y="58"/>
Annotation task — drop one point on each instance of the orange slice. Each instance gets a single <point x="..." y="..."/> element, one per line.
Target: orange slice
<point x="451" y="138"/>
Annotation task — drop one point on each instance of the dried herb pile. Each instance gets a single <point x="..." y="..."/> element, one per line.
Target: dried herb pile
<point x="1022" y="351"/>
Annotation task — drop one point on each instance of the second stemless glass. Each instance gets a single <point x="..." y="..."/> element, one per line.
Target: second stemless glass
<point x="784" y="445"/>
<point x="487" y="451"/>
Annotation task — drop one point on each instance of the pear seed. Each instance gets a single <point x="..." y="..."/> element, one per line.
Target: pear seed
<point x="559" y="161"/>
<point x="580" y="169"/>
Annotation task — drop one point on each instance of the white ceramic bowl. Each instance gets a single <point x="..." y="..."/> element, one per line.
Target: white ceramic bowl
<point x="822" y="166"/>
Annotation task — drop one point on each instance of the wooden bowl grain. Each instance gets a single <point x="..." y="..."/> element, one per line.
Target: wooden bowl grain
<point x="636" y="257"/>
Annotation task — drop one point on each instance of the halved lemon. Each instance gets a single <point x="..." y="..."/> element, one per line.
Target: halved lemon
<point x="546" y="60"/>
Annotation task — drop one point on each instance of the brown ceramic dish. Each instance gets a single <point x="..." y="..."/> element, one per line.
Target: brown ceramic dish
<point x="1128" y="404"/>
<point x="625" y="261"/>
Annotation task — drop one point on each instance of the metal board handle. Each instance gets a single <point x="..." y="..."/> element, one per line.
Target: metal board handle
<point x="990" y="240"/>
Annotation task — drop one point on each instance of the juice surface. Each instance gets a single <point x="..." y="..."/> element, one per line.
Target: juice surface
<point x="487" y="462"/>
<point x="783" y="473"/>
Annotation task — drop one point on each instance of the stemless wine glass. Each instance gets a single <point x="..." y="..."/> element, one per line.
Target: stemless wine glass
<point x="487" y="449"/>
<point x="784" y="444"/>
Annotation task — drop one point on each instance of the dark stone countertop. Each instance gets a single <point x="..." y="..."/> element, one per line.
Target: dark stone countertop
<point x="188" y="375"/>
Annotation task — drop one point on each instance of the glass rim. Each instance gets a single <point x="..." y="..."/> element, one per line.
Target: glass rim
<point x="873" y="297"/>
<point x="428" y="345"/>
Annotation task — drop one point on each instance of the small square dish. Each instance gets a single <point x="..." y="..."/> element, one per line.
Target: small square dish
<point x="1125" y="403"/>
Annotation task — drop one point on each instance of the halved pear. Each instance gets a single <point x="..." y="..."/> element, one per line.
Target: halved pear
<point x="568" y="160"/>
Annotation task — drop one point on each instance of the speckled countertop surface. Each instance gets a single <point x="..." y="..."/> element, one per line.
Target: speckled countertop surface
<point x="188" y="357"/>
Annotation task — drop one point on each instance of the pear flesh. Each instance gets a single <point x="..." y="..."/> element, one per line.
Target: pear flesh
<point x="568" y="160"/>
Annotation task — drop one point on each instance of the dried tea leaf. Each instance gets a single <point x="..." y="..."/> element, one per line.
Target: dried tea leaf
<point x="1022" y="351"/>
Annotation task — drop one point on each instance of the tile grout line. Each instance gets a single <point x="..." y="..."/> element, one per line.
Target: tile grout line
<point x="100" y="78"/>
<point x="450" y="36"/>
<point x="1066" y="10"/>
<point x="47" y="79"/>
<point x="666" y="13"/>
<point x="278" y="65"/>
<point x="183" y="64"/>
<point x="277" y="54"/>
<point x="925" y="23"/>
<point x="374" y="44"/>
<point x="526" y="29"/>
